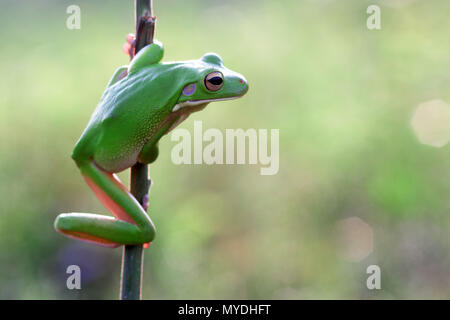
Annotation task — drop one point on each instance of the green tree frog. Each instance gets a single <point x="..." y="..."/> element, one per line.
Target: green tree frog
<point x="142" y="102"/>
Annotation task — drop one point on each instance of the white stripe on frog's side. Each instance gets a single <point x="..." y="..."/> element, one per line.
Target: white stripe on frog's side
<point x="194" y="103"/>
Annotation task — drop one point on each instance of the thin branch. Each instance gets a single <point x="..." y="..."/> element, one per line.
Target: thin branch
<point x="133" y="260"/>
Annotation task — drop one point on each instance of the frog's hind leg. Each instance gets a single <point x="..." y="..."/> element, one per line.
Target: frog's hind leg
<point x="131" y="224"/>
<point x="98" y="229"/>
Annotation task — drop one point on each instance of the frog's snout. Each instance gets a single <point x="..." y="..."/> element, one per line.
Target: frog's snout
<point x="243" y="85"/>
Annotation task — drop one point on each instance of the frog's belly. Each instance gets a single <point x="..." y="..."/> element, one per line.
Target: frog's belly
<point x="118" y="155"/>
<point x="120" y="143"/>
<point x="116" y="161"/>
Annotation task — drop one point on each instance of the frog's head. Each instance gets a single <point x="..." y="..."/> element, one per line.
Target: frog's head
<point x="214" y="82"/>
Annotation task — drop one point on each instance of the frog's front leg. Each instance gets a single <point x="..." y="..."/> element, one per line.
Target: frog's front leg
<point x="131" y="224"/>
<point x="149" y="153"/>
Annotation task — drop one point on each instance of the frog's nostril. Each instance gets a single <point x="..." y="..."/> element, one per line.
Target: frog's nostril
<point x="244" y="88"/>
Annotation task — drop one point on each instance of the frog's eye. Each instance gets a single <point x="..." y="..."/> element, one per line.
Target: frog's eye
<point x="214" y="81"/>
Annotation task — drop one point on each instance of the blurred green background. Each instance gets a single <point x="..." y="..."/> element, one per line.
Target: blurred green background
<point x="352" y="171"/>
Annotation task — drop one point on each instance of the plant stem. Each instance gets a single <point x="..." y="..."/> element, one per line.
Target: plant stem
<point x="133" y="255"/>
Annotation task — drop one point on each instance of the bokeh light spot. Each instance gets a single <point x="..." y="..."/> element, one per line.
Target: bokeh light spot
<point x="354" y="238"/>
<point x="431" y="123"/>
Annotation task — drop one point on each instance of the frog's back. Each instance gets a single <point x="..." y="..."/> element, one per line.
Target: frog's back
<point x="129" y="112"/>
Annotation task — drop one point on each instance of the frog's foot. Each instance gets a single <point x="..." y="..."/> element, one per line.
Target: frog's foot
<point x="131" y="224"/>
<point x="129" y="47"/>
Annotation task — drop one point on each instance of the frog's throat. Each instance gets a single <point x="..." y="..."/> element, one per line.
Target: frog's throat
<point x="193" y="103"/>
<point x="176" y="117"/>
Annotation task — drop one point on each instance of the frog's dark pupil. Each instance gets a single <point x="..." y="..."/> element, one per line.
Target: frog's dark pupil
<point x="215" y="81"/>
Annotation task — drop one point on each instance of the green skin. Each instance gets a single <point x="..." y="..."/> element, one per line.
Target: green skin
<point x="134" y="112"/>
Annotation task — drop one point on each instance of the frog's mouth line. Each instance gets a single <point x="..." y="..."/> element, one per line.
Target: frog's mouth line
<point x="194" y="103"/>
